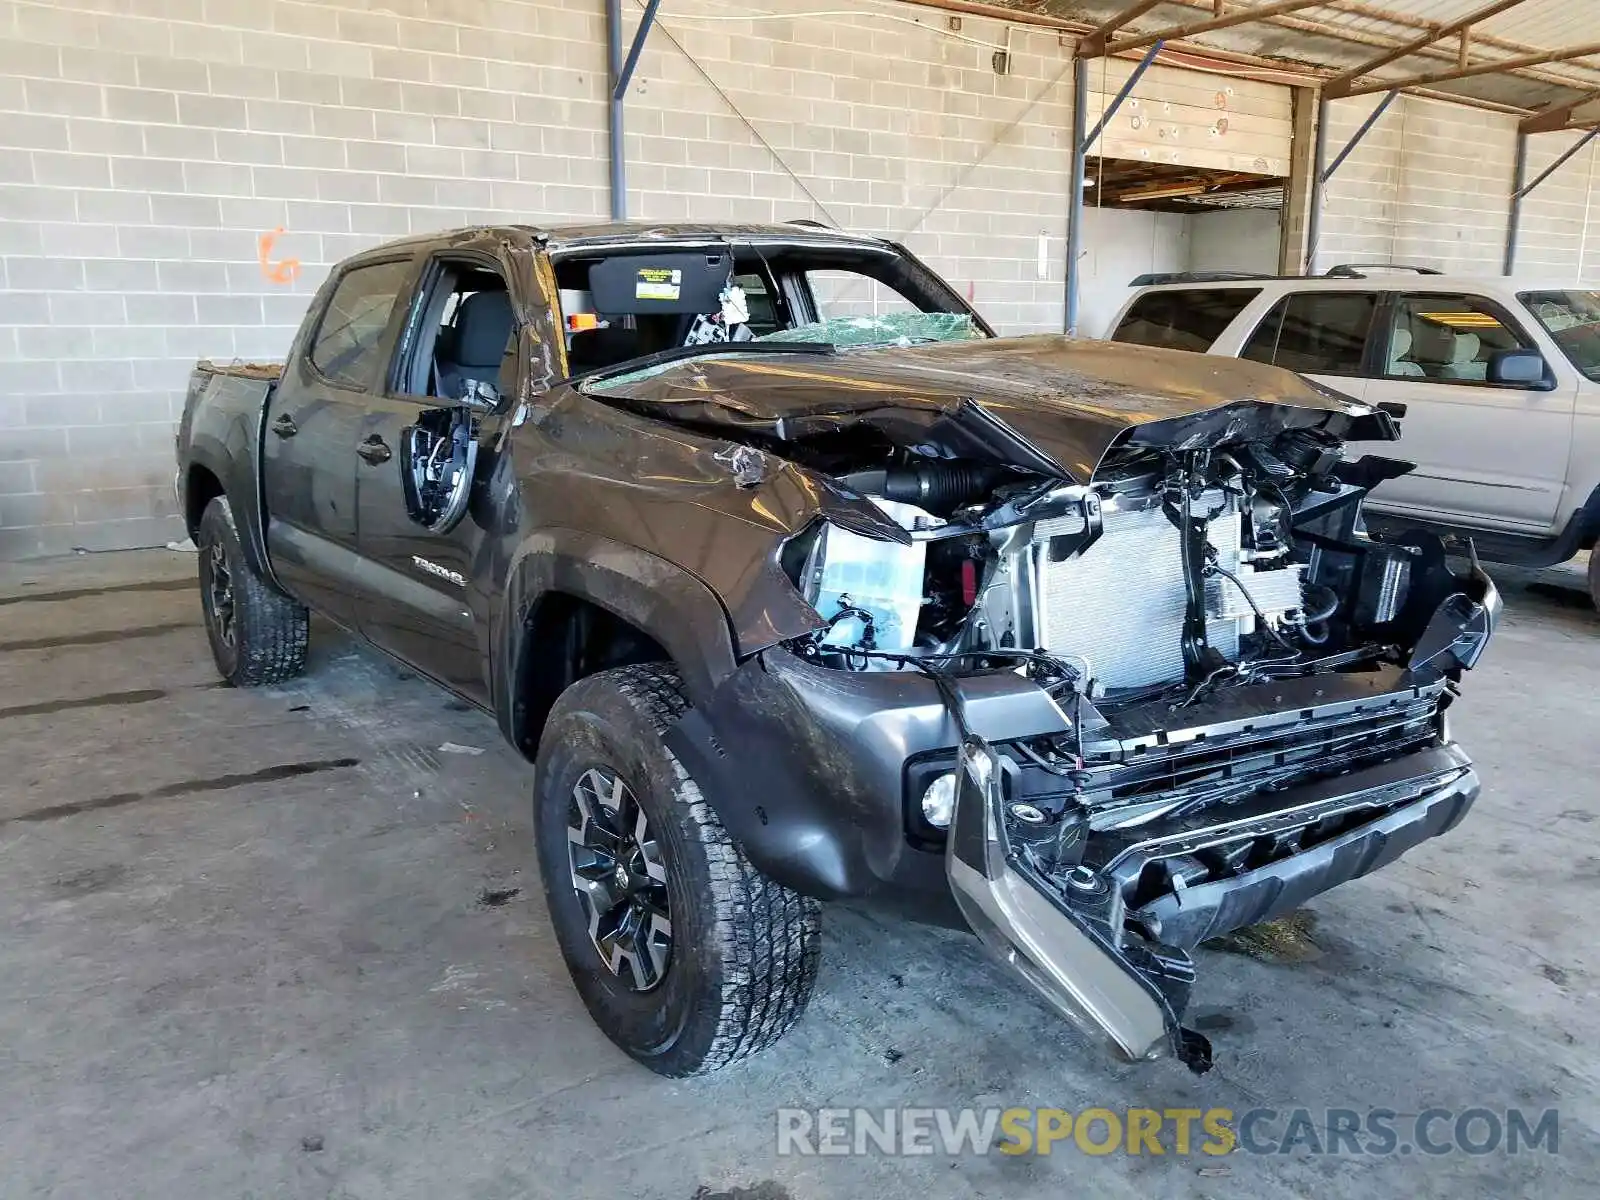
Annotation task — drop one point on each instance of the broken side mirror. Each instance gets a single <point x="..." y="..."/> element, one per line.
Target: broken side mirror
<point x="439" y="458"/>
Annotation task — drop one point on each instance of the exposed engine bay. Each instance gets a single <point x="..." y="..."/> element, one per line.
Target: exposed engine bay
<point x="1215" y="625"/>
<point x="1168" y="592"/>
<point x="1243" y="692"/>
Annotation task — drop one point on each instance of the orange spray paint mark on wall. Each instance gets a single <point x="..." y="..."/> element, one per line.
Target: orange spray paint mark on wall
<point x="285" y="270"/>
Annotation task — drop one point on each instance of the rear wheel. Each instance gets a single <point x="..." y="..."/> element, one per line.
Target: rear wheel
<point x="258" y="635"/>
<point x="686" y="956"/>
<point x="1594" y="576"/>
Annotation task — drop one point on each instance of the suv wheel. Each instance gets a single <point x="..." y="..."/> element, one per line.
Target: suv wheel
<point x="686" y="956"/>
<point x="258" y="635"/>
<point x="1594" y="576"/>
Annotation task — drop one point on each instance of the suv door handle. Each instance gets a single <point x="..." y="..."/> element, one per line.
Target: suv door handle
<point x="285" y="427"/>
<point x="375" y="450"/>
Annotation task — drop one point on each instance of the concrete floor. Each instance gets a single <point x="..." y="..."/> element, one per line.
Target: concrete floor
<point x="252" y="948"/>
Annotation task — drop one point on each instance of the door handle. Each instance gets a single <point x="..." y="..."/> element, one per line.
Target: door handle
<point x="375" y="450"/>
<point x="285" y="427"/>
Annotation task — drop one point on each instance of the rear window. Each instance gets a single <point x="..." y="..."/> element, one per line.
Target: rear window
<point x="1318" y="333"/>
<point x="347" y="342"/>
<point x="1191" y="319"/>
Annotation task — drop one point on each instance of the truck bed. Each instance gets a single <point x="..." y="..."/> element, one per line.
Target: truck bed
<point x="241" y="370"/>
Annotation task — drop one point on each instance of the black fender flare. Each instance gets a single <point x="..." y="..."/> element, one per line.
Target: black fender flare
<point x="674" y="607"/>
<point x="232" y="462"/>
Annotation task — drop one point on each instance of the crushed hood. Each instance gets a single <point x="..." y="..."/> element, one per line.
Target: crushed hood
<point x="1049" y="403"/>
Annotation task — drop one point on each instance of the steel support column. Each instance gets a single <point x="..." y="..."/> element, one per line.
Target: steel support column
<point x="1080" y="103"/>
<point x="1519" y="176"/>
<point x="1321" y="174"/>
<point x="1081" y="142"/>
<point x="621" y="70"/>
<point x="1318" y="158"/>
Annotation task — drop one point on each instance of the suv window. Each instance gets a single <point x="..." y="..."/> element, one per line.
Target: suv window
<point x="1572" y="319"/>
<point x="1447" y="337"/>
<point x="345" y="350"/>
<point x="1318" y="333"/>
<point x="1191" y="319"/>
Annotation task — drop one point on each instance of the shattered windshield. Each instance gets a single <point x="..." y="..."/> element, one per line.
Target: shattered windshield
<point x="839" y="333"/>
<point x="886" y="329"/>
<point x="1572" y="319"/>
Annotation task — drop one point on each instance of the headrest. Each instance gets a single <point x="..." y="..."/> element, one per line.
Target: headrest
<point x="592" y="348"/>
<point x="483" y="329"/>
<point x="1400" y="345"/>
<point x="1432" y="343"/>
<point x="1466" y="349"/>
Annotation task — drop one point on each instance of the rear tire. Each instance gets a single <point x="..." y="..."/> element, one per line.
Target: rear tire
<point x="1594" y="576"/>
<point x="741" y="952"/>
<point x="258" y="635"/>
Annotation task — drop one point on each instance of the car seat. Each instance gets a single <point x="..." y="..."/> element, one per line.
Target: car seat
<point x="472" y="351"/>
<point x="1464" y="362"/>
<point x="1432" y="348"/>
<point x="592" y="349"/>
<point x="1400" y="355"/>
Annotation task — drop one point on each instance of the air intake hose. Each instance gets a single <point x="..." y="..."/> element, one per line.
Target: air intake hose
<point x="939" y="487"/>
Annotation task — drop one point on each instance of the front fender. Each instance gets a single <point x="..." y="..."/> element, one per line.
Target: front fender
<point x="650" y="593"/>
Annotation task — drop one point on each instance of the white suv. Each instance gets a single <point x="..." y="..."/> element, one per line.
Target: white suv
<point x="1500" y="380"/>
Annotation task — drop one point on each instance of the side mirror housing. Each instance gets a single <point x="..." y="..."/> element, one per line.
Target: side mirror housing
<point x="1518" y="368"/>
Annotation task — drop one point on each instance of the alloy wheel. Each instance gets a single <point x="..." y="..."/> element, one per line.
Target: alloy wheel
<point x="620" y="879"/>
<point x="219" y="593"/>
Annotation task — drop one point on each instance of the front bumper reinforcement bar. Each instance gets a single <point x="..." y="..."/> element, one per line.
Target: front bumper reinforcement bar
<point x="1068" y="935"/>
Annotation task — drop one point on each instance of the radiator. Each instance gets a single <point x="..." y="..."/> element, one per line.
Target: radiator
<point x="1121" y="603"/>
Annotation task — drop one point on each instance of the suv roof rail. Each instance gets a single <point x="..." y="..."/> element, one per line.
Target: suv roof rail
<point x="811" y="224"/>
<point x="1357" y="270"/>
<point x="1151" y="278"/>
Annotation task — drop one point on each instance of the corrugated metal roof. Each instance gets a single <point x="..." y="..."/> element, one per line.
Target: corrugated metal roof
<point x="1338" y="35"/>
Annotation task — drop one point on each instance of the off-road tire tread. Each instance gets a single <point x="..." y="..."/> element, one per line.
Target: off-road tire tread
<point x="272" y="630"/>
<point x="769" y="936"/>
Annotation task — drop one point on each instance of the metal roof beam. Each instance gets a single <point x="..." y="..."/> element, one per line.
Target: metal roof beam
<point x="1489" y="68"/>
<point x="1558" y="116"/>
<point x="1093" y="44"/>
<point x="1340" y="84"/>
<point x="1237" y="16"/>
<point x="1570" y="153"/>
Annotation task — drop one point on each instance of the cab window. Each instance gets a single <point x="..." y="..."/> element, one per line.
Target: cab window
<point x="1447" y="337"/>
<point x="1191" y="319"/>
<point x="1315" y="333"/>
<point x="345" y="350"/>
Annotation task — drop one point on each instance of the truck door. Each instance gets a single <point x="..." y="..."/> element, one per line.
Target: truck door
<point x="421" y="487"/>
<point x="1487" y="453"/>
<point x="312" y="423"/>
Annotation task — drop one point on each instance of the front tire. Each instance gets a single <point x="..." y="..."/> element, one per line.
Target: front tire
<point x="685" y="955"/>
<point x="258" y="635"/>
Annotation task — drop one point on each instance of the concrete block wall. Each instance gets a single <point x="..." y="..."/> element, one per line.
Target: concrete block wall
<point x="147" y="147"/>
<point x="1430" y="183"/>
<point x="1560" y="227"/>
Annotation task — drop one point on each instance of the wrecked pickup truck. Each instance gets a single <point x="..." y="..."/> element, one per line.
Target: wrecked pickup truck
<point x="798" y="584"/>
